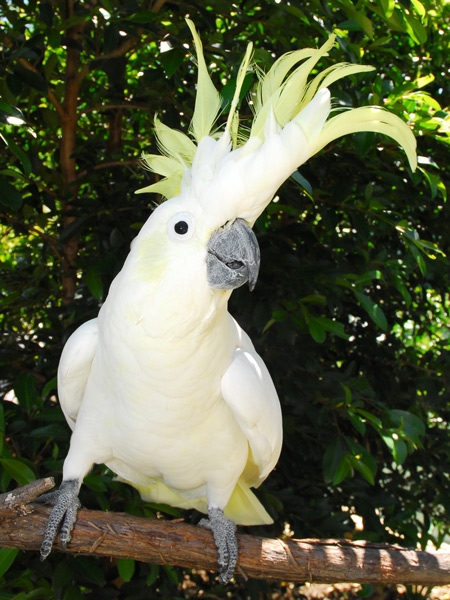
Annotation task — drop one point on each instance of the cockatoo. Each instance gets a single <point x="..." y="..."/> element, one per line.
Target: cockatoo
<point x="164" y="387"/>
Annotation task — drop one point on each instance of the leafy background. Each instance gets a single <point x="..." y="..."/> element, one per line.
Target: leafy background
<point x="351" y="310"/>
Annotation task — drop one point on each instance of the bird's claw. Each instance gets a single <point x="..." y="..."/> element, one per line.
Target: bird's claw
<point x="62" y="517"/>
<point x="224" y="532"/>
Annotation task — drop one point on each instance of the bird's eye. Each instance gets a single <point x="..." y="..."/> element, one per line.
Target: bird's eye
<point x="181" y="226"/>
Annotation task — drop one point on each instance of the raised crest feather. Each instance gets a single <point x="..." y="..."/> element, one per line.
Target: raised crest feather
<point x="280" y="100"/>
<point x="207" y="100"/>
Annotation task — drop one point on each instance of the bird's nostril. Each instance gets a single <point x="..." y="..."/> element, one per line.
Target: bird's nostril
<point x="235" y="264"/>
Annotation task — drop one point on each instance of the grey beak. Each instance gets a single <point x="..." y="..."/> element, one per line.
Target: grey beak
<point x="233" y="257"/>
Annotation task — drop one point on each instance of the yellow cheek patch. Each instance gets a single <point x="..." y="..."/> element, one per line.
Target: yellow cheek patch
<point x="151" y="259"/>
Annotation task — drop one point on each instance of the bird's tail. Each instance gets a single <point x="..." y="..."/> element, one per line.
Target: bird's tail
<point x="244" y="508"/>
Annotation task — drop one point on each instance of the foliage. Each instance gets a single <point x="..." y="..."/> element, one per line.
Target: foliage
<point x="351" y="311"/>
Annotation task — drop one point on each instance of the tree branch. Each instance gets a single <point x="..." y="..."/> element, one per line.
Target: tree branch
<point x="50" y="93"/>
<point x="128" y="45"/>
<point x="158" y="541"/>
<point x="108" y="165"/>
<point x="15" y="502"/>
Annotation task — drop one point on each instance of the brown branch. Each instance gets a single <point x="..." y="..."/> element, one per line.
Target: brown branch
<point x="158" y="541"/>
<point x="108" y="165"/>
<point x="156" y="5"/>
<point x="50" y="93"/>
<point x="15" y="503"/>
<point x="118" y="105"/>
<point x="128" y="45"/>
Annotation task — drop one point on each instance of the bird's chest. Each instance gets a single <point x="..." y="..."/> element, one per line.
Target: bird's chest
<point x="161" y="393"/>
<point x="158" y="384"/>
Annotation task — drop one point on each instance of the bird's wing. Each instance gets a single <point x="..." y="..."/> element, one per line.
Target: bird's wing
<point x="74" y="368"/>
<point x="248" y="390"/>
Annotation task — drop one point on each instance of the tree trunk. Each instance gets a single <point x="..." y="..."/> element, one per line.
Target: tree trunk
<point x="158" y="541"/>
<point x="67" y="149"/>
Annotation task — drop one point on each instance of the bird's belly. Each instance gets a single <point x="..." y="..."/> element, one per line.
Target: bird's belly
<point x="161" y="411"/>
<point x="187" y="441"/>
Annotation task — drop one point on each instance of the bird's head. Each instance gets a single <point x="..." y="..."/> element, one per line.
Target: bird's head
<point x="180" y="233"/>
<point x="219" y="182"/>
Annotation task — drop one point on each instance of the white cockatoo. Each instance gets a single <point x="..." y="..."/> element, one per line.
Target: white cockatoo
<point x="164" y="387"/>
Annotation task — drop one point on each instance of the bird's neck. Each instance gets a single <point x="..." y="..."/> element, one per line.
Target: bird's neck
<point x="163" y="309"/>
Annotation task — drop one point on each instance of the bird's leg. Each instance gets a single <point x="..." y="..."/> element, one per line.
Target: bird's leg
<point x="63" y="516"/>
<point x="224" y="532"/>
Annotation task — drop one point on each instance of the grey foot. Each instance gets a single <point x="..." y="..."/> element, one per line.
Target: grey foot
<point x="63" y="516"/>
<point x="224" y="532"/>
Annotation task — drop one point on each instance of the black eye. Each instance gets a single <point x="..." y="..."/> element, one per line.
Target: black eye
<point x="181" y="227"/>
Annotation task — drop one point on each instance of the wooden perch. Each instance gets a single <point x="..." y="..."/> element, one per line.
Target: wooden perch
<point x="173" y="542"/>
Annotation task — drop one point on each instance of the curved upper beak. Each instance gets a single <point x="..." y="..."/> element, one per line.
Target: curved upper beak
<point x="233" y="257"/>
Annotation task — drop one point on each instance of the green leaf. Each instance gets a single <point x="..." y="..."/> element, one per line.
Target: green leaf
<point x="373" y="310"/>
<point x="372" y="419"/>
<point x="366" y="590"/>
<point x="414" y="28"/>
<point x="26" y="391"/>
<point x="33" y="79"/>
<point x="62" y="575"/>
<point x="126" y="567"/>
<point x="343" y="470"/>
<point x="91" y="570"/>
<point x="388" y="7"/>
<point x="317" y="330"/>
<point x="357" y="423"/>
<point x="397" y="446"/>
<point x="362" y="467"/>
<point x="361" y="460"/>
<point x="419" y="8"/>
<point x="418" y="256"/>
<point x="49" y="387"/>
<point x="314" y="299"/>
<point x="18" y="470"/>
<point x="227" y="92"/>
<point x="359" y="17"/>
<point x="71" y="592"/>
<point x="94" y="282"/>
<point x="332" y="460"/>
<point x="153" y="575"/>
<point x="172" y="573"/>
<point x="19" y="153"/>
<point x="348" y="393"/>
<point x="9" y="196"/>
<point x="333" y="327"/>
<point x="7" y="557"/>
<point x="96" y="483"/>
<point x="142" y="17"/>
<point x="71" y="230"/>
<point x="171" y="60"/>
<point x="409" y="424"/>
<point x="303" y="182"/>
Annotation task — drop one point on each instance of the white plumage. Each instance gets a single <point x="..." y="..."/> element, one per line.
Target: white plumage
<point x="164" y="387"/>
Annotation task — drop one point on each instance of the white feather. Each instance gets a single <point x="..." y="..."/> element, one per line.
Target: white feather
<point x="149" y="403"/>
<point x="74" y="368"/>
<point x="248" y="390"/>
